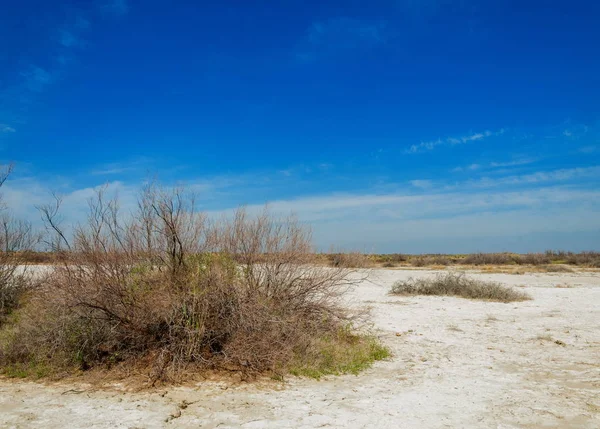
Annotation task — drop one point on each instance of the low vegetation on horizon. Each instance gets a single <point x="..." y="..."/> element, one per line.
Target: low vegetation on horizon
<point x="551" y="261"/>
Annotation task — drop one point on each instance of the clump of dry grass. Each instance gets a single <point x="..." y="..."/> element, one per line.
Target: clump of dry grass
<point x="453" y="284"/>
<point x="165" y="292"/>
<point x="558" y="268"/>
<point x="564" y="286"/>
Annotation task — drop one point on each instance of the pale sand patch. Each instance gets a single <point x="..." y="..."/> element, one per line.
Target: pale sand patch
<point x="521" y="365"/>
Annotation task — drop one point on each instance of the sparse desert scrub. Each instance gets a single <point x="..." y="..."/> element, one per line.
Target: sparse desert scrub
<point x="489" y="259"/>
<point x="350" y="260"/>
<point x="429" y="260"/>
<point x="591" y="259"/>
<point x="453" y="284"/>
<point x="390" y="258"/>
<point x="165" y="292"/>
<point x="16" y="240"/>
<point x="533" y="259"/>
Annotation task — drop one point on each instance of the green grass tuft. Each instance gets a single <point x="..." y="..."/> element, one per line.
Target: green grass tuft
<point x="345" y="354"/>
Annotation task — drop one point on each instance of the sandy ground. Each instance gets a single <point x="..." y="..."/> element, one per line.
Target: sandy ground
<point x="456" y="364"/>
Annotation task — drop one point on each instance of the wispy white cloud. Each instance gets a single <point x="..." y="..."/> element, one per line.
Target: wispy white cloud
<point x="112" y="168"/>
<point x="82" y="23"/>
<point x="494" y="164"/>
<point x="575" y="132"/>
<point x="426" y="146"/>
<point x="422" y="184"/>
<point x="545" y="202"/>
<point x="561" y="175"/>
<point x="116" y="7"/>
<point x="340" y="35"/>
<point x="71" y="35"/>
<point x="109" y="171"/>
<point x="589" y="149"/>
<point x="36" y="78"/>
<point x="70" y="40"/>
<point x="514" y="163"/>
<point x="304" y="170"/>
<point x="5" y="128"/>
<point x="471" y="167"/>
<point x="50" y="67"/>
<point x="386" y="222"/>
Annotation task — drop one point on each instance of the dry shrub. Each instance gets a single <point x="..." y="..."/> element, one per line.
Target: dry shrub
<point x="13" y="285"/>
<point x="390" y="258"/>
<point x="489" y="259"/>
<point x="396" y="257"/>
<point x="33" y="257"/>
<point x="165" y="290"/>
<point x="533" y="259"/>
<point x="549" y="257"/>
<point x="429" y="260"/>
<point x="16" y="241"/>
<point x="453" y="284"/>
<point x="350" y="260"/>
<point x="591" y="259"/>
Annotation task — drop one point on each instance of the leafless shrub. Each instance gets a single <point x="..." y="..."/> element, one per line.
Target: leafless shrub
<point x="533" y="259"/>
<point x="453" y="284"/>
<point x="591" y="259"/>
<point x="16" y="240"/>
<point x="418" y="261"/>
<point x="350" y="260"/>
<point x="389" y="258"/>
<point x="489" y="259"/>
<point x="167" y="289"/>
<point x="428" y="260"/>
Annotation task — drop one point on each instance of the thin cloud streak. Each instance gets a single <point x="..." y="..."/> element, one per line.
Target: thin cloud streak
<point x="492" y="165"/>
<point x="452" y="141"/>
<point x="5" y="128"/>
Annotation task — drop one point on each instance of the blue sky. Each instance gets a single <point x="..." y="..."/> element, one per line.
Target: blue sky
<point x="388" y="126"/>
